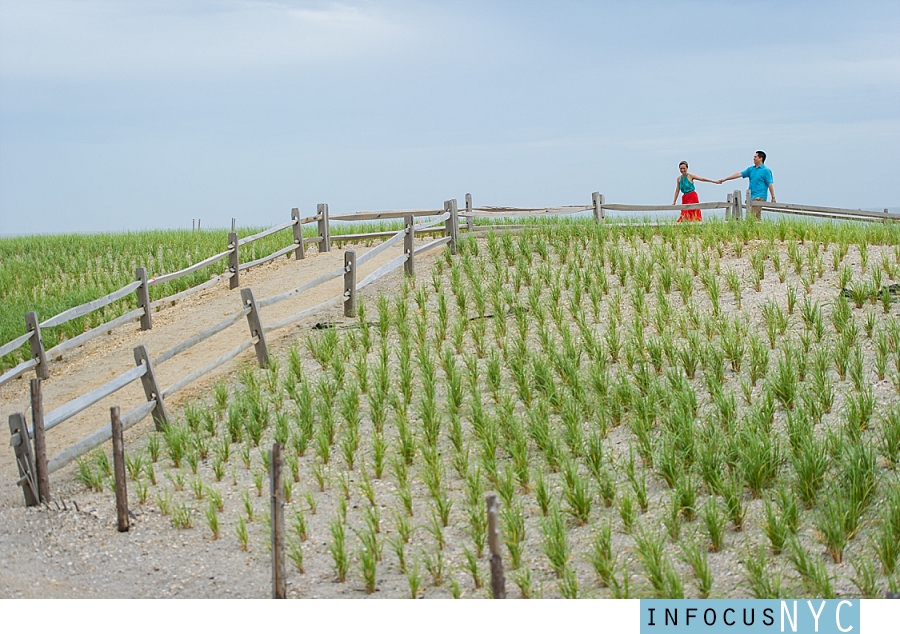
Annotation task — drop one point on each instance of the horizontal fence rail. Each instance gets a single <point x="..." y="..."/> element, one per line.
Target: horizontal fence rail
<point x="84" y="309"/>
<point x="712" y="205"/>
<point x="833" y="212"/>
<point x="83" y="338"/>
<point x="18" y="371"/>
<point x="15" y="344"/>
<point x="200" y="337"/>
<point x="61" y="414"/>
<point x="168" y="277"/>
<point x="266" y="233"/>
<point x="190" y="291"/>
<point x="99" y="437"/>
<point x="268" y="258"/>
<point x="303" y="314"/>
<point x="384" y="215"/>
<point x="209" y="367"/>
<point x="274" y="299"/>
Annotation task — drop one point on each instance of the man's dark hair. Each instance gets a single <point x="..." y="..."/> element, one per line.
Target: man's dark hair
<point x="762" y="155"/>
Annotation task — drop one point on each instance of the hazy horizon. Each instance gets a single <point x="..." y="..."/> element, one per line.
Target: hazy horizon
<point x="146" y="115"/>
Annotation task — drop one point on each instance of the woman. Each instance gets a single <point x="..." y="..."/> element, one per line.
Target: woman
<point x="685" y="185"/>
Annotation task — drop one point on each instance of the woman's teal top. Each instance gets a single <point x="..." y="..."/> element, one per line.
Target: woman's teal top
<point x="685" y="185"/>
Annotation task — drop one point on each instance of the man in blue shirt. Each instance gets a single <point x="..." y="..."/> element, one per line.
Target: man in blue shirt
<point x="760" y="178"/>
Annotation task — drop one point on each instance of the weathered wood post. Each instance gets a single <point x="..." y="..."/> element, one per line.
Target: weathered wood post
<point x="143" y="295"/>
<point x="324" y="227"/>
<point x="729" y="210"/>
<point x="454" y="216"/>
<point x="37" y="345"/>
<point x="151" y="388"/>
<point x="279" y="590"/>
<point x="40" y="441"/>
<point x="599" y="213"/>
<point x="21" y="445"/>
<point x="349" y="283"/>
<point x="451" y="225"/>
<point x="256" y="328"/>
<point x="409" y="267"/>
<point x="498" y="581"/>
<point x="470" y="221"/>
<point x="118" y="443"/>
<point x="234" y="261"/>
<point x="737" y="214"/>
<point x="300" y="251"/>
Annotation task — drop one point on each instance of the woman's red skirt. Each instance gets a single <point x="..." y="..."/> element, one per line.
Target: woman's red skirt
<point x="690" y="214"/>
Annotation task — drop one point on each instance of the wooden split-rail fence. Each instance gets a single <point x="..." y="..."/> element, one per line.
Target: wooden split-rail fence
<point x="28" y="441"/>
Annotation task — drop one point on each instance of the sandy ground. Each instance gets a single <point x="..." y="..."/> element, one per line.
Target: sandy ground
<point x="73" y="550"/>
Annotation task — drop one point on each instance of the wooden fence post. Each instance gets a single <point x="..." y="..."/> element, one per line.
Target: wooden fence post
<point x="279" y="590"/>
<point x="729" y="210"/>
<point x="595" y="199"/>
<point x="118" y="444"/>
<point x="451" y="225"/>
<point x="498" y="582"/>
<point x="349" y="283"/>
<point x="37" y="345"/>
<point x="470" y="221"/>
<point x="21" y="445"/>
<point x="324" y="228"/>
<point x="234" y="262"/>
<point x="737" y="214"/>
<point x="454" y="227"/>
<point x="151" y="388"/>
<point x="300" y="251"/>
<point x="40" y="441"/>
<point x="143" y="295"/>
<point x="256" y="328"/>
<point x="409" y="267"/>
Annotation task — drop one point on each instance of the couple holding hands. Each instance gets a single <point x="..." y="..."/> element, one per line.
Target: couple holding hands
<point x="760" y="184"/>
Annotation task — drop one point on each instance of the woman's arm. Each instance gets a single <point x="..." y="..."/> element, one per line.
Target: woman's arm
<point x="729" y="178"/>
<point x="677" y="189"/>
<point x="694" y="177"/>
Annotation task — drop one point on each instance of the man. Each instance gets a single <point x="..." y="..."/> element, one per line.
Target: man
<point x="760" y="177"/>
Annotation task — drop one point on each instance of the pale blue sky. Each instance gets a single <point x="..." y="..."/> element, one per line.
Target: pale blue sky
<point x="131" y="115"/>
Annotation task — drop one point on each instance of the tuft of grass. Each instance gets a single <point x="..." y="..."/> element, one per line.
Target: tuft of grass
<point x="556" y="544"/>
<point x="694" y="555"/>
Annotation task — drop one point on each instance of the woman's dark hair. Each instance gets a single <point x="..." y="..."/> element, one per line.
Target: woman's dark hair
<point x="762" y="155"/>
<point x="685" y="163"/>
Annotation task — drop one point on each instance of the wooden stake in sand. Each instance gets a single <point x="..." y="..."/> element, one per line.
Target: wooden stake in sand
<point x="279" y="590"/>
<point x="118" y="444"/>
<point x="498" y="581"/>
<point x="40" y="442"/>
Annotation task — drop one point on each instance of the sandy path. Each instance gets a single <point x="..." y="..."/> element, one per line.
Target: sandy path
<point x="108" y="356"/>
<point x="75" y="552"/>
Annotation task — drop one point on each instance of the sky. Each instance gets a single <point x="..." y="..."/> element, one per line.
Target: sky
<point x="119" y="116"/>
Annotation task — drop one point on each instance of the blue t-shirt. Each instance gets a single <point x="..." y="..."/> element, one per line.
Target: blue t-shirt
<point x="760" y="179"/>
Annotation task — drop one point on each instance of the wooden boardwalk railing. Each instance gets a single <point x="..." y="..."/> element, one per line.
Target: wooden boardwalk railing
<point x="446" y="221"/>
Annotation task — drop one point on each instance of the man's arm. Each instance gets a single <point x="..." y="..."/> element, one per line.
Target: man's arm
<point x="729" y="178"/>
<point x="772" y="191"/>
